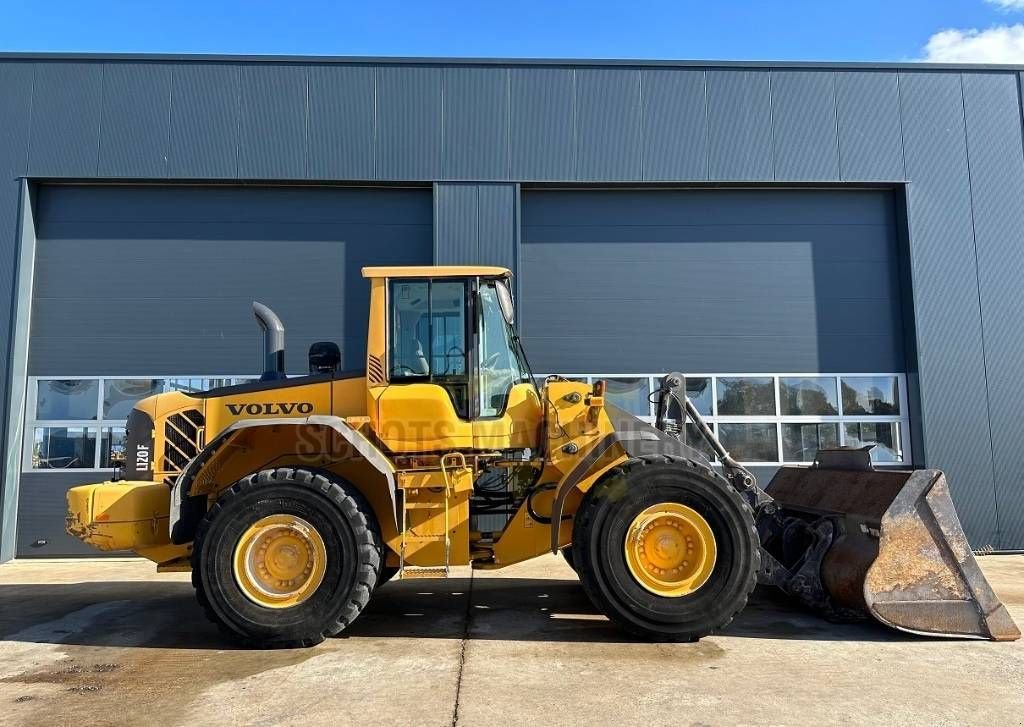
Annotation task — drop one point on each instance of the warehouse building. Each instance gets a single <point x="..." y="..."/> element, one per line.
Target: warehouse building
<point x="831" y="253"/>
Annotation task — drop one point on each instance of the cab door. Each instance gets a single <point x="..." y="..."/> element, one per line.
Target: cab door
<point x="426" y="404"/>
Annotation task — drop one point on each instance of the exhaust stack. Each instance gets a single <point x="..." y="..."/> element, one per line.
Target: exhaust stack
<point x="273" y="342"/>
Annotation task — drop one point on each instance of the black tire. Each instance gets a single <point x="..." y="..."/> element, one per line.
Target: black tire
<point x="567" y="554"/>
<point x="351" y="536"/>
<point x="387" y="572"/>
<point x="599" y="535"/>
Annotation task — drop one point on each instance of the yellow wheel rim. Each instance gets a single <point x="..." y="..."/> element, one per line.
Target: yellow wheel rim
<point x="280" y="561"/>
<point x="670" y="549"/>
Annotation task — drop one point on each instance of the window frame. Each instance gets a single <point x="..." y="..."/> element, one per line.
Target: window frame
<point x="95" y="426"/>
<point x="902" y="419"/>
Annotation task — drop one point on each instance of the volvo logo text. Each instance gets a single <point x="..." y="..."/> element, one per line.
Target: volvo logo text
<point x="255" y="410"/>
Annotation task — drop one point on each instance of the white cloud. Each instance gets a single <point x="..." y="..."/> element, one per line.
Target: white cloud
<point x="1007" y="4"/>
<point x="999" y="44"/>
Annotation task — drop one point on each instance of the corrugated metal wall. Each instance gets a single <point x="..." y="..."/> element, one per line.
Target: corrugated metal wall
<point x="953" y="135"/>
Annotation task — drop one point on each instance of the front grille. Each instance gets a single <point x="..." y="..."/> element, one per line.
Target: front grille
<point x="183" y="439"/>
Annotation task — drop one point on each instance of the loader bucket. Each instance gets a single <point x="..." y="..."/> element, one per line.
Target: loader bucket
<point x="900" y="553"/>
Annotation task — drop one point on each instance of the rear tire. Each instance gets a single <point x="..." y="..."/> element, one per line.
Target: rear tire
<point x="599" y="552"/>
<point x="344" y="527"/>
<point x="567" y="554"/>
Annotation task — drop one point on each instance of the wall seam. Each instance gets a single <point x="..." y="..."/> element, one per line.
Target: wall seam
<point x="643" y="130"/>
<point x="771" y="120"/>
<point x="99" y="122"/>
<point x="835" y="118"/>
<point x="707" y="130"/>
<point x="981" y="312"/>
<point x="170" y="120"/>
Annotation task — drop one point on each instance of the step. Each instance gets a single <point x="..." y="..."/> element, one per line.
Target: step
<point x="424" y="505"/>
<point x="417" y="572"/>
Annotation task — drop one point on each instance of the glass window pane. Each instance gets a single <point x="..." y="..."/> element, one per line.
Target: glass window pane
<point x="746" y="396"/>
<point x="448" y="327"/>
<point x="698" y="390"/>
<point x="696" y="441"/>
<point x="632" y="394"/>
<point x="871" y="395"/>
<point x="63" y="448"/>
<point x="884" y="435"/>
<point x="120" y="395"/>
<point x="111" y="445"/>
<point x="800" y="442"/>
<point x="750" y="442"/>
<point x="499" y="366"/>
<point x="67" y="399"/>
<point x="809" y="396"/>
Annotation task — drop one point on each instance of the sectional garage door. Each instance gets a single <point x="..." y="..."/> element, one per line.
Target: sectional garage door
<point x="158" y="281"/>
<point x="711" y="281"/>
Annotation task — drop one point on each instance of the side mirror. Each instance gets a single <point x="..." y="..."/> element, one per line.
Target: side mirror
<point x="324" y="357"/>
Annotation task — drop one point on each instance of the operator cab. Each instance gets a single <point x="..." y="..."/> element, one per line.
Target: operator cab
<point x="454" y="371"/>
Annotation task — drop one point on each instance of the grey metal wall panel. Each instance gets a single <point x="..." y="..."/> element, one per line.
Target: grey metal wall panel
<point x="341" y="122"/>
<point x="409" y="122"/>
<point x="41" y="531"/>
<point x="608" y="124"/>
<point x="870" y="133"/>
<point x="675" y="125"/>
<point x="134" y="134"/>
<point x="996" y="158"/>
<point x="476" y="123"/>
<point x="739" y="125"/>
<point x="205" y="120"/>
<point x="942" y="254"/>
<point x="543" y="124"/>
<point x="475" y="224"/>
<point x="499" y="224"/>
<point x="15" y="116"/>
<point x="813" y="277"/>
<point x="804" y="126"/>
<point x="65" y="119"/>
<point x="272" y="143"/>
<point x="182" y="303"/>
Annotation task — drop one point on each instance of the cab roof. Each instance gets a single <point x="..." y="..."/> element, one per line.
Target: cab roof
<point x="437" y="271"/>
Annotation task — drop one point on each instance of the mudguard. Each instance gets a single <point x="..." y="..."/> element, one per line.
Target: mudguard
<point x="185" y="512"/>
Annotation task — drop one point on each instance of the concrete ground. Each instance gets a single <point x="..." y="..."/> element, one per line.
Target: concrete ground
<point x="108" y="642"/>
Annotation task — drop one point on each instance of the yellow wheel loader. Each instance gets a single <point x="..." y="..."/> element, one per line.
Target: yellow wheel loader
<point x="291" y="499"/>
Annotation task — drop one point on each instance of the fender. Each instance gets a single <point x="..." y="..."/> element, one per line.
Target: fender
<point x="635" y="438"/>
<point x="186" y="511"/>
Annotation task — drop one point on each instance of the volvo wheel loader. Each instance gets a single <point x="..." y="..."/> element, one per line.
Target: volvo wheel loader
<point x="291" y="499"/>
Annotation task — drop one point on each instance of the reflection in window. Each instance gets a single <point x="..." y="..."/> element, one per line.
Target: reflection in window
<point x="632" y="394"/>
<point x="750" y="442"/>
<point x="746" y="396"/>
<point x="121" y="395"/>
<point x="808" y="396"/>
<point x="63" y="448"/>
<point x="884" y="435"/>
<point x="800" y="442"/>
<point x="871" y="395"/>
<point x="695" y="440"/>
<point x="67" y="399"/>
<point x="698" y="390"/>
<point x="111" y="446"/>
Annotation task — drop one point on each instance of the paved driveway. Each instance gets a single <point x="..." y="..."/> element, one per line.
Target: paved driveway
<point x="110" y="642"/>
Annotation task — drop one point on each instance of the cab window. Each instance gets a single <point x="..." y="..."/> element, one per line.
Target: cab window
<point x="501" y="366"/>
<point x="428" y="337"/>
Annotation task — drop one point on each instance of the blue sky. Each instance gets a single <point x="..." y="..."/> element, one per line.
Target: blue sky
<point x="867" y="30"/>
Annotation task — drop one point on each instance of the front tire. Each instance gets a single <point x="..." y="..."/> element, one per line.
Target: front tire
<point x="286" y="557"/>
<point x="707" y="558"/>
